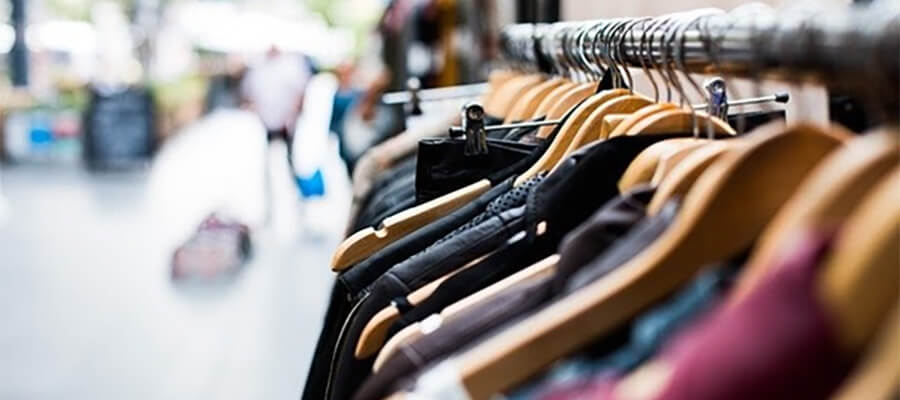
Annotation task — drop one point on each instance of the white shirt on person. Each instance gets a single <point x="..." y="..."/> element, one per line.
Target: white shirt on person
<point x="274" y="86"/>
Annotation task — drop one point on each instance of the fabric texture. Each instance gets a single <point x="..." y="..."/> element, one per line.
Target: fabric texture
<point x="607" y="225"/>
<point x="443" y="167"/>
<point x="638" y="238"/>
<point x="647" y="334"/>
<point x="775" y="343"/>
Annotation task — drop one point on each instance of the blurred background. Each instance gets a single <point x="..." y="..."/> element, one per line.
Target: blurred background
<point x="174" y="176"/>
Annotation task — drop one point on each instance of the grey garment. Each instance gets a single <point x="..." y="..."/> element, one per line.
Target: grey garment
<point x="648" y="333"/>
<point x="637" y="239"/>
<point x="602" y="230"/>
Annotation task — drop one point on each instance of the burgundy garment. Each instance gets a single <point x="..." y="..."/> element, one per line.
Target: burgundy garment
<point x="776" y="343"/>
<point x="601" y="388"/>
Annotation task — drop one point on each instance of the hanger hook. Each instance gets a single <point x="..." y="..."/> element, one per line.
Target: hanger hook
<point x="608" y="42"/>
<point x="616" y="53"/>
<point x="670" y="37"/>
<point x="627" y="29"/>
<point x="646" y="54"/>
<point x="680" y="63"/>
<point x="662" y="65"/>
<point x="587" y="50"/>
<point x="598" y="52"/>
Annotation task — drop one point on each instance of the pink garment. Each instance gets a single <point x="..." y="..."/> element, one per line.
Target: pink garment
<point x="776" y="343"/>
<point x="601" y="388"/>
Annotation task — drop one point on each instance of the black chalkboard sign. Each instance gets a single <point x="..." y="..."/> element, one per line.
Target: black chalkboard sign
<point x="119" y="128"/>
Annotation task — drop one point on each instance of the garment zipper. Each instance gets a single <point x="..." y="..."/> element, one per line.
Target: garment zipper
<point x="332" y="369"/>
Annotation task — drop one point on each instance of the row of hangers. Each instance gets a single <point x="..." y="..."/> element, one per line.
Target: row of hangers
<point x="764" y="186"/>
<point x="703" y="39"/>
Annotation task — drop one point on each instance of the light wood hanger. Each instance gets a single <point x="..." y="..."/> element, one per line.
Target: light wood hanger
<point x="592" y="103"/>
<point x="684" y="175"/>
<point x="679" y="120"/>
<point x="556" y="107"/>
<point x="859" y="280"/>
<point x="507" y="95"/>
<point x="366" y="242"/>
<point x="830" y="194"/>
<point x="411" y="333"/>
<point x="589" y="131"/>
<point x="622" y="128"/>
<point x="670" y="160"/>
<point x="721" y="215"/>
<point x="376" y="330"/>
<point x="644" y="166"/>
<point x="496" y="80"/>
<point x="610" y="122"/>
<point x="567" y="132"/>
<point x="877" y="375"/>
<point x="551" y="98"/>
<point x="525" y="106"/>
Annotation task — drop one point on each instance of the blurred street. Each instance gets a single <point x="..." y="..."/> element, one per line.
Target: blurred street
<point x="89" y="310"/>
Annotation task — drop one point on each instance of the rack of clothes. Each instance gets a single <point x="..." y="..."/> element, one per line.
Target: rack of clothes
<point x="575" y="238"/>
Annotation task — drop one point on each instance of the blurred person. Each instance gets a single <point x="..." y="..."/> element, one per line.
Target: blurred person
<point x="273" y="89"/>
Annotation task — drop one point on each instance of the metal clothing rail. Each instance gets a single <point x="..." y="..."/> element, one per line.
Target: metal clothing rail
<point x="857" y="46"/>
<point x="436" y="94"/>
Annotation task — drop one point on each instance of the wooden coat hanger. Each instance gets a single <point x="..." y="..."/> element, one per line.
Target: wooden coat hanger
<point x="830" y="194"/>
<point x="678" y="120"/>
<point x="506" y="97"/>
<point x="644" y="167"/>
<point x="366" y="242"/>
<point x="590" y="129"/>
<point x="860" y="279"/>
<point x="671" y="159"/>
<point x="556" y="106"/>
<point x="411" y="333"/>
<point x="684" y="175"/>
<point x="496" y="80"/>
<point x="877" y="375"/>
<point x="721" y="215"/>
<point x="566" y="133"/>
<point x="622" y="128"/>
<point x="526" y="105"/>
<point x="611" y="121"/>
<point x="376" y="330"/>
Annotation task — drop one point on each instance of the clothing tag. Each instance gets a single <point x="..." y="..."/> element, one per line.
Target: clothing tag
<point x="430" y="324"/>
<point x="442" y="382"/>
